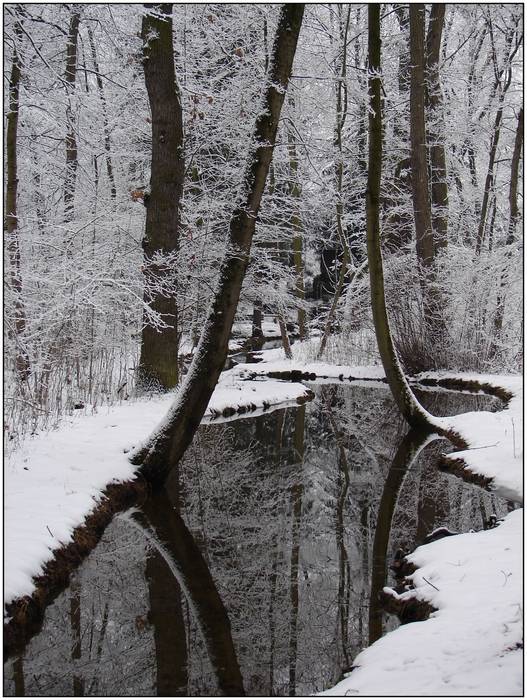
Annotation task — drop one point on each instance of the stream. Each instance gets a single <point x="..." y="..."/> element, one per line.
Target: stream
<point x="258" y="568"/>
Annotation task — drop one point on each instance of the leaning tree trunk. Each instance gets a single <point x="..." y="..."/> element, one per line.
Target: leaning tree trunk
<point x="408" y="405"/>
<point x="11" y="215"/>
<point x="435" y="135"/>
<point x="158" y="364"/>
<point x="168" y="443"/>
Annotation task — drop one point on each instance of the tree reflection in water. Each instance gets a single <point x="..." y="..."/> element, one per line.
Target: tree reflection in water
<point x="290" y="519"/>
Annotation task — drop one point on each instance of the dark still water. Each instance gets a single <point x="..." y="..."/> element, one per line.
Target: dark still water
<point x="255" y="569"/>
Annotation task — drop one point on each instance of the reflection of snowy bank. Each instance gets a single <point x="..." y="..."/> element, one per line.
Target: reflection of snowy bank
<point x="494" y="440"/>
<point x="55" y="479"/>
<point x="472" y="644"/>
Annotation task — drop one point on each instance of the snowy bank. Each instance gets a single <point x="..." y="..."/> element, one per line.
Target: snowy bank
<point x="54" y="480"/>
<point x="494" y="440"/>
<point x="473" y="643"/>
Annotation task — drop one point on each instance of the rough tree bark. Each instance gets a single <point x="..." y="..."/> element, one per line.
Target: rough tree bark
<point x="11" y="214"/>
<point x="158" y="364"/>
<point x="168" y="443"/>
<point x="416" y="416"/>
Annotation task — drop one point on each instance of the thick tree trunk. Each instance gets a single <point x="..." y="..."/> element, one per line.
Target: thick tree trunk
<point x="424" y="239"/>
<point x="435" y="136"/>
<point x="168" y="443"/>
<point x="285" y="337"/>
<point x="11" y="213"/>
<point x="403" y="396"/>
<point x="158" y="364"/>
<point x="398" y="222"/>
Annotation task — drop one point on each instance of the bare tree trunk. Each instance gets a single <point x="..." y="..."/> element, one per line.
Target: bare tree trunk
<point x="285" y="338"/>
<point x="502" y="90"/>
<point x="168" y="443"/>
<point x="71" y="137"/>
<point x="158" y="364"/>
<point x="341" y="113"/>
<point x="340" y="531"/>
<point x="18" y="677"/>
<point x="403" y="396"/>
<point x="296" y="227"/>
<point x="436" y="145"/>
<point x="107" y="143"/>
<point x="489" y="179"/>
<point x="11" y="213"/>
<point x="513" y="219"/>
<point x="424" y="237"/>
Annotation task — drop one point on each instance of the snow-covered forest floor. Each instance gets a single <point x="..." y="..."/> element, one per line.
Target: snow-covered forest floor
<point x="470" y="645"/>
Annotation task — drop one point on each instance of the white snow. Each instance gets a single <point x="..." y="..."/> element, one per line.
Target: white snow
<point x="495" y="440"/>
<point x="52" y="482"/>
<point x="470" y="646"/>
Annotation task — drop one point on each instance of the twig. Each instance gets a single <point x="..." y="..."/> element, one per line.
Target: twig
<point x="430" y="584"/>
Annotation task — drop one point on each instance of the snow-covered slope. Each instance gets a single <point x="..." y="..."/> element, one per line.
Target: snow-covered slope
<point x="473" y="644"/>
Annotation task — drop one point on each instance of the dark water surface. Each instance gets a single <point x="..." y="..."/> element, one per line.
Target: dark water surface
<point x="259" y="565"/>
